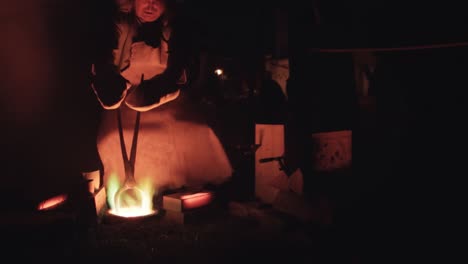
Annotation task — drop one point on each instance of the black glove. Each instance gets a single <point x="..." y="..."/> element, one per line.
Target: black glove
<point x="109" y="85"/>
<point x="148" y="94"/>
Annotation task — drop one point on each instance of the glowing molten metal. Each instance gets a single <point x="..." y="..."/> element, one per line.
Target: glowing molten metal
<point x="133" y="201"/>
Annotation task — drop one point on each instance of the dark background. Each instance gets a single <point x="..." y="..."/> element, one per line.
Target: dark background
<point x="48" y="112"/>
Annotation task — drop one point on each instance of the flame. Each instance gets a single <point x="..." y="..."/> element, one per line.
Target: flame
<point x="113" y="185"/>
<point x="146" y="191"/>
<point x="52" y="202"/>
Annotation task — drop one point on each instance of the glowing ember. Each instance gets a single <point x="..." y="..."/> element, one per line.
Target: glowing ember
<point x="52" y="202"/>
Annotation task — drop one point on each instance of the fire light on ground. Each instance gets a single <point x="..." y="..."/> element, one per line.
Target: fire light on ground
<point x="135" y="203"/>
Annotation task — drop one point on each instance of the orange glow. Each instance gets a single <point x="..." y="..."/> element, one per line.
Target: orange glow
<point x="132" y="212"/>
<point x="195" y="200"/>
<point x="133" y="201"/>
<point x="129" y="197"/>
<point x="52" y="202"/>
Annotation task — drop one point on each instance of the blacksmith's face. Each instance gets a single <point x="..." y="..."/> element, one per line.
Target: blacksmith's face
<point x="149" y="10"/>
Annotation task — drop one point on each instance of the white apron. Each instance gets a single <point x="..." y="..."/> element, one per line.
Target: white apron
<point x="171" y="152"/>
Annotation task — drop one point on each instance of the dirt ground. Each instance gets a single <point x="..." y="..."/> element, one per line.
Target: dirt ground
<point x="249" y="233"/>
